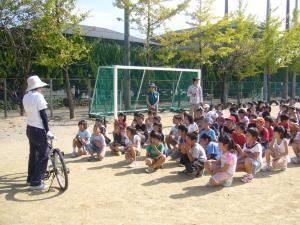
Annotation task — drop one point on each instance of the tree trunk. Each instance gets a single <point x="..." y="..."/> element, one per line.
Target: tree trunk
<point x="285" y="91"/>
<point x="224" y="88"/>
<point x="286" y="75"/>
<point x="265" y="89"/>
<point x="269" y="88"/>
<point x="126" y="82"/>
<point x="22" y="92"/>
<point x="69" y="93"/>
<point x="238" y="93"/>
<point x="294" y="85"/>
<point x="147" y="44"/>
<point x="226" y="7"/>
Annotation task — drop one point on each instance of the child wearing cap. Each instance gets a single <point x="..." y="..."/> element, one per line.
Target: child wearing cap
<point x="229" y="125"/>
<point x="152" y="98"/>
<point x="250" y="156"/>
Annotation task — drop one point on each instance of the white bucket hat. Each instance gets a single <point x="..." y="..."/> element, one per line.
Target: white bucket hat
<point x="34" y="82"/>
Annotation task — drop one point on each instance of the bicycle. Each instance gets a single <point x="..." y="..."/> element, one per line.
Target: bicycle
<point x="57" y="166"/>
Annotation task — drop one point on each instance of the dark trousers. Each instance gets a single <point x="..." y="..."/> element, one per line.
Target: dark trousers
<point x="38" y="156"/>
<point x="192" y="166"/>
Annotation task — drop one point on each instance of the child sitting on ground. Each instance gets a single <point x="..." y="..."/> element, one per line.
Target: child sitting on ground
<point x="172" y="138"/>
<point x="211" y="147"/>
<point x="278" y="151"/>
<point x="81" y="140"/>
<point x="269" y="126"/>
<point x="207" y="122"/>
<point x="222" y="170"/>
<point x="150" y="121"/>
<point x="250" y="156"/>
<point x="243" y="117"/>
<point x="182" y="146"/>
<point x="102" y="123"/>
<point x="119" y="134"/>
<point x="263" y="133"/>
<point x="238" y="135"/>
<point x="193" y="158"/>
<point x="157" y="127"/>
<point x="132" y="146"/>
<point x="296" y="148"/>
<point x="134" y="121"/>
<point x="155" y="155"/>
<point x="141" y="128"/>
<point x="190" y="124"/>
<point x="97" y="144"/>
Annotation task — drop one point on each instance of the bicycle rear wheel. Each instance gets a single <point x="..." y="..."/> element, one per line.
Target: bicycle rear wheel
<point x="60" y="169"/>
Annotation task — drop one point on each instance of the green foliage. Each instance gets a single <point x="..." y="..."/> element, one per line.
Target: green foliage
<point x="58" y="49"/>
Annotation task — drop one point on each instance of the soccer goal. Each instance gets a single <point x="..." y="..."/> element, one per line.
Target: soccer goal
<point x="124" y="88"/>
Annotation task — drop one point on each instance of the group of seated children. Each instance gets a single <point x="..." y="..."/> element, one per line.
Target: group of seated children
<point x="208" y="142"/>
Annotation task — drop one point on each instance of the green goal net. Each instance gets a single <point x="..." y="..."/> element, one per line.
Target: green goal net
<point x="124" y="88"/>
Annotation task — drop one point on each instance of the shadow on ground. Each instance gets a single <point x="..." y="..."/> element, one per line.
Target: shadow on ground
<point x="14" y="187"/>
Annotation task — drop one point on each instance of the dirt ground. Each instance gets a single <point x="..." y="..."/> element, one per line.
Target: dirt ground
<point x="109" y="193"/>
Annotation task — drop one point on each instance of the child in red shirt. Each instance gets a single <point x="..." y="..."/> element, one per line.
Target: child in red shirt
<point x="264" y="133"/>
<point x="238" y="136"/>
<point x="269" y="125"/>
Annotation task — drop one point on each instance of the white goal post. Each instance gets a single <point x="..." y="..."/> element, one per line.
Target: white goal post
<point x="144" y="69"/>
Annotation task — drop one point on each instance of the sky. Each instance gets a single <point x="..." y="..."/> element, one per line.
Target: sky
<point x="102" y="13"/>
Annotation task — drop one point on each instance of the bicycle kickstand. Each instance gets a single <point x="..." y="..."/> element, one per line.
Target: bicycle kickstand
<point x="53" y="176"/>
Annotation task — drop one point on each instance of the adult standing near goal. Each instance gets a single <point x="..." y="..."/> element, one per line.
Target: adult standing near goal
<point x="152" y="98"/>
<point x="35" y="107"/>
<point x="195" y="94"/>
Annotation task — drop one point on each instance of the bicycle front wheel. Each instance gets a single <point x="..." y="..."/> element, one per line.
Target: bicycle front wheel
<point x="60" y="169"/>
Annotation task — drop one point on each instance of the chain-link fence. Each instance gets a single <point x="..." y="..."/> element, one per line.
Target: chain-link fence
<point x="82" y="91"/>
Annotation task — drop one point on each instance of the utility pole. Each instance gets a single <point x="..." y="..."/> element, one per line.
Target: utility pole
<point x="286" y="75"/>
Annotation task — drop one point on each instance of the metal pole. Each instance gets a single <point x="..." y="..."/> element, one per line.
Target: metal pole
<point x="115" y="92"/>
<point x="5" y="98"/>
<point x="51" y="98"/>
<point x="89" y="94"/>
<point x="139" y="91"/>
<point x="176" y="87"/>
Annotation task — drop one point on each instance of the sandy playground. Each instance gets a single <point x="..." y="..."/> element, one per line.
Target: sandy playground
<point x="108" y="193"/>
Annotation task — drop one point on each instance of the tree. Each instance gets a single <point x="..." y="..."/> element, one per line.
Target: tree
<point x="127" y="5"/>
<point x="295" y="62"/>
<point x="61" y="43"/>
<point x="17" y="42"/>
<point x="285" y="91"/>
<point x="243" y="55"/>
<point x="271" y="46"/>
<point x="149" y="15"/>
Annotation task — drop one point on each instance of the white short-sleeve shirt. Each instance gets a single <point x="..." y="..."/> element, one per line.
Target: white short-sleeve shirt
<point x="193" y="127"/>
<point x="33" y="102"/>
<point x="256" y="148"/>
<point x="136" y="141"/>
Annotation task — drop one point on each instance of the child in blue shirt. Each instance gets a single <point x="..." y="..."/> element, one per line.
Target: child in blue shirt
<point x="81" y="140"/>
<point x="211" y="147"/>
<point x="207" y="130"/>
<point x="152" y="98"/>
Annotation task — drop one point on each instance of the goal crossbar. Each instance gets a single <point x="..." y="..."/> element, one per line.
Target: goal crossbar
<point x="115" y="69"/>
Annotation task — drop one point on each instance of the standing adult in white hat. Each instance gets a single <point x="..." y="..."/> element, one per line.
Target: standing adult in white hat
<point x="195" y="94"/>
<point x="35" y="107"/>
